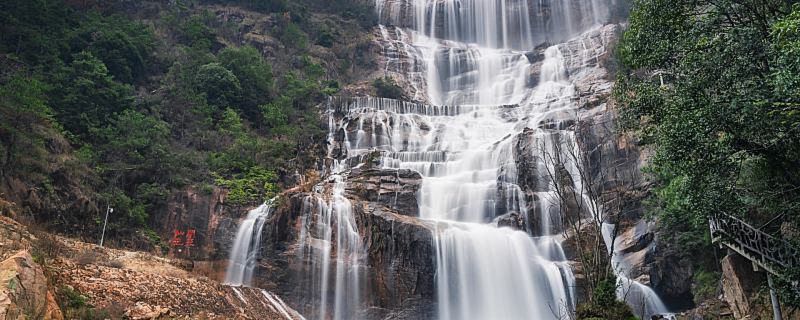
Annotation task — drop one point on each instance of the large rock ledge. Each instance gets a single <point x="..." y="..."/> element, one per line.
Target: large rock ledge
<point x="394" y="188"/>
<point x="399" y="254"/>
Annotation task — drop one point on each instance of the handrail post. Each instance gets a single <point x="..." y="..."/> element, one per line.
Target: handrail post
<point x="773" y="295"/>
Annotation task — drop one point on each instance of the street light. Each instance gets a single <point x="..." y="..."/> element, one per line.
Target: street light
<point x="109" y="209"/>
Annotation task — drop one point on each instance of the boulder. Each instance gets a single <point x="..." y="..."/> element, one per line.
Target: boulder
<point x="24" y="292"/>
<point x="739" y="282"/>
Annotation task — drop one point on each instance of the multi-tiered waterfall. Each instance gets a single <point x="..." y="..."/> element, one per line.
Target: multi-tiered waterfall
<point x="491" y="104"/>
<point x="474" y="56"/>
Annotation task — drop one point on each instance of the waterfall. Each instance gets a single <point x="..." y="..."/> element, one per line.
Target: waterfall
<point x="330" y="238"/>
<point x="479" y="88"/>
<point x="242" y="261"/>
<point x="642" y="299"/>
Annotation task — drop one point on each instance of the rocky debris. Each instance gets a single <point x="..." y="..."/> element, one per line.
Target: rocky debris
<point x="712" y="309"/>
<point x="143" y="311"/>
<point x="152" y="296"/>
<point x="13" y="238"/>
<point x="394" y="188"/>
<point x="24" y="292"/>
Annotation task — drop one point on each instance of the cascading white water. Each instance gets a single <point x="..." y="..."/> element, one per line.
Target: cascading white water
<point x="468" y="63"/>
<point x="245" y="251"/>
<point x="329" y="232"/>
<point x="469" y="52"/>
<point x="644" y="301"/>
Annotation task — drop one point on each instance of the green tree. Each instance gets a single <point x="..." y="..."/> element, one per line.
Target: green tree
<point x="711" y="87"/>
<point x="85" y="94"/>
<point x="22" y="139"/>
<point x="254" y="75"/>
<point x="220" y="85"/>
<point x="135" y="158"/>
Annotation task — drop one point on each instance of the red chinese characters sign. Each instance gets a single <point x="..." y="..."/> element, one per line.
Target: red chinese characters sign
<point x="182" y="238"/>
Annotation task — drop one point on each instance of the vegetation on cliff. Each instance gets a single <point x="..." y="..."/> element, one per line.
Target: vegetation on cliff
<point x="712" y="87"/>
<point x="107" y="102"/>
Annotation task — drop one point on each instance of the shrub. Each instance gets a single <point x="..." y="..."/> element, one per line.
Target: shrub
<point x="86" y="257"/>
<point x="387" y="88"/>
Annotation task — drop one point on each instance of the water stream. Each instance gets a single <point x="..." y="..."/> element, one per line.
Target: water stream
<point x="245" y="251"/>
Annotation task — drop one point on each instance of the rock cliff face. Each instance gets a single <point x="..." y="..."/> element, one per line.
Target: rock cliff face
<point x="214" y="225"/>
<point x="397" y="247"/>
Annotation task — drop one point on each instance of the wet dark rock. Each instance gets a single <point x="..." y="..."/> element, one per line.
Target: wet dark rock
<point x="671" y="277"/>
<point x="400" y="265"/>
<point x="214" y="223"/>
<point x="402" y="261"/>
<point x="394" y="188"/>
<point x="511" y="220"/>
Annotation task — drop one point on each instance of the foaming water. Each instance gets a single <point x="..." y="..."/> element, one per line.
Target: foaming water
<point x="488" y="273"/>
<point x="510" y="24"/>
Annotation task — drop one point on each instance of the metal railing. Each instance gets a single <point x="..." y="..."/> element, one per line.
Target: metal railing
<point x="768" y="252"/>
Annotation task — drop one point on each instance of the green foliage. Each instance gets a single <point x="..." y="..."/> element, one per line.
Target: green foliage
<point x="85" y="93"/>
<point x="71" y="299"/>
<point x="195" y="33"/>
<point x="325" y="38"/>
<point x="250" y="187"/>
<point x="258" y="5"/>
<point x="75" y="306"/>
<point x="604" y="304"/>
<point x="220" y="85"/>
<point x="34" y="30"/>
<point x="254" y="75"/>
<point x="387" y="88"/>
<point x="276" y="114"/>
<point x="712" y="88"/>
<point x="22" y="142"/>
<point x="124" y="47"/>
<point x="148" y="108"/>
<point x="724" y="135"/>
<point x="706" y="285"/>
<point x="605" y="294"/>
<point x="290" y="34"/>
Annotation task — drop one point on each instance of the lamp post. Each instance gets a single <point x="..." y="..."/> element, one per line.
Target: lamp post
<point x="109" y="209"/>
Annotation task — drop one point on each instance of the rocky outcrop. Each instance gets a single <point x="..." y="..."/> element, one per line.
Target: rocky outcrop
<point x="588" y="60"/>
<point x="213" y="225"/>
<point x="402" y="264"/>
<point x="393" y="188"/>
<point x="739" y="283"/>
<point x="25" y="293"/>
<point x="398" y="275"/>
